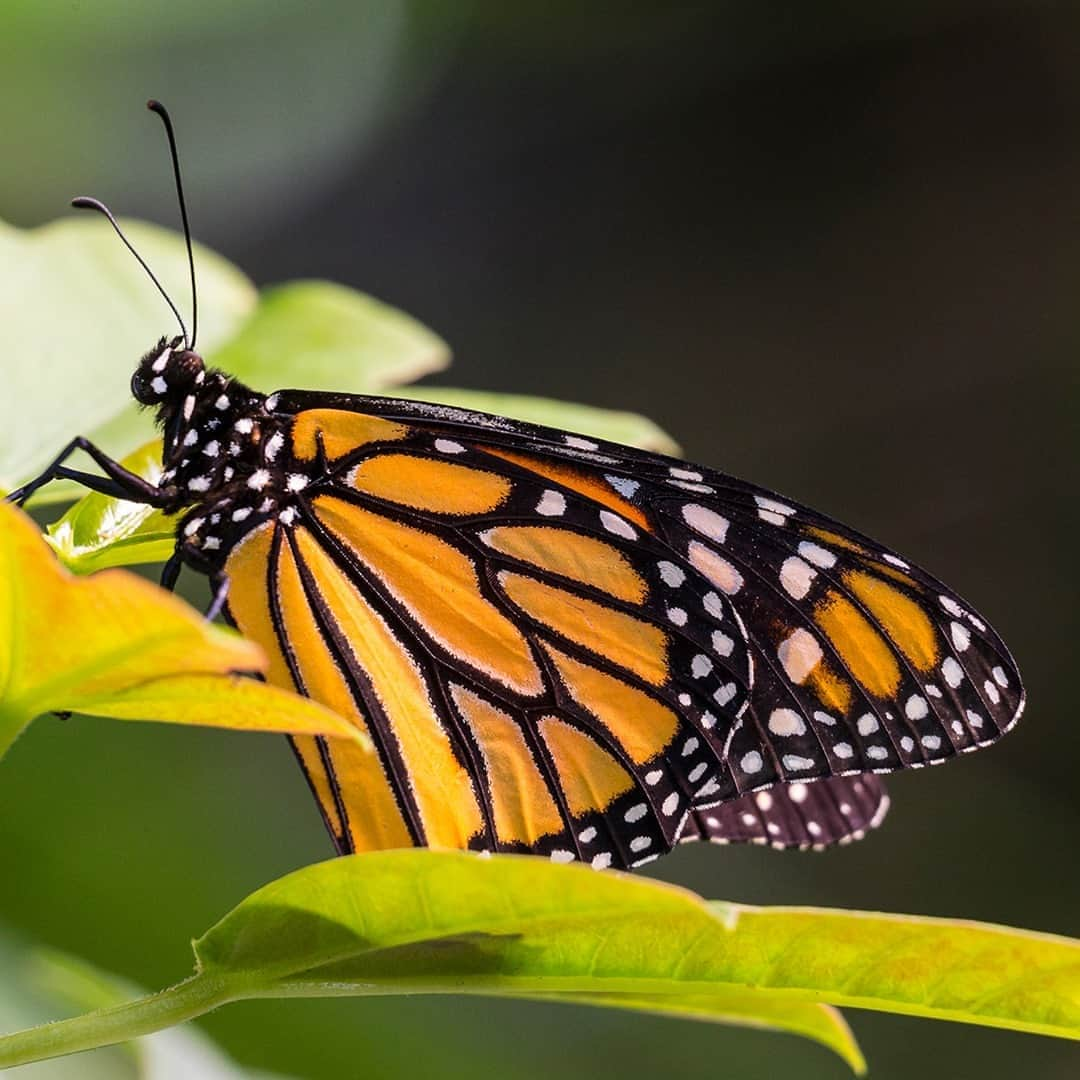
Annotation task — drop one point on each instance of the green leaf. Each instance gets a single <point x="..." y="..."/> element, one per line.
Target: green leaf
<point x="116" y="645"/>
<point x="425" y="921"/>
<point x="322" y="336"/>
<point x="416" y="921"/>
<point x="627" y="428"/>
<point x="98" y="532"/>
<point x="78" y="314"/>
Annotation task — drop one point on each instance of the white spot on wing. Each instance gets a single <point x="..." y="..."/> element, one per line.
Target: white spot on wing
<point x="799" y="654"/>
<point x="616" y="525"/>
<point x="786" y="722"/>
<point x="773" y="506"/>
<point x="551" y="504"/>
<point x="717" y="569"/>
<point x="705" y="521"/>
<point x="916" y="708"/>
<point x="817" y="555"/>
<point x="796" y="577"/>
<point x="726" y="694"/>
<point x="623" y="485"/>
<point x="953" y="672"/>
<point x="670" y="574"/>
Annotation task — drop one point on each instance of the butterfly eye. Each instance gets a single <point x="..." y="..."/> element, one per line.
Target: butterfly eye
<point x="140" y="389"/>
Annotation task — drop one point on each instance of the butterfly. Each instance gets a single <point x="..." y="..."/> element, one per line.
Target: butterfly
<point x="556" y="645"/>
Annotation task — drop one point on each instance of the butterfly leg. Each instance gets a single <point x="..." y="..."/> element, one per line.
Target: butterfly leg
<point x="117" y="482"/>
<point x="220" y="585"/>
<point x="171" y="571"/>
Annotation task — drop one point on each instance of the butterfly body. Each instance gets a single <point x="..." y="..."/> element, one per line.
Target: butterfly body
<point x="559" y="645"/>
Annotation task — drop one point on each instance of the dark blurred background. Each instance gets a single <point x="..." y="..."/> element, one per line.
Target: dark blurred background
<point x="830" y="247"/>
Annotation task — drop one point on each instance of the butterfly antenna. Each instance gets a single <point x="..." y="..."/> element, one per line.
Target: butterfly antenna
<point x="157" y="107"/>
<point x="84" y="202"/>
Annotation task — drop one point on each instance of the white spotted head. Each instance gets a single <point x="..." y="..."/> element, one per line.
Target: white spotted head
<point x="168" y="372"/>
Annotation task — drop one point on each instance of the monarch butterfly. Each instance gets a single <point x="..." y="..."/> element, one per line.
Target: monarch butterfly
<point x="557" y="645"/>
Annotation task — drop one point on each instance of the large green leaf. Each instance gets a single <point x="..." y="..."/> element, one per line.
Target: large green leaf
<point x="436" y="922"/>
<point x="424" y="922"/>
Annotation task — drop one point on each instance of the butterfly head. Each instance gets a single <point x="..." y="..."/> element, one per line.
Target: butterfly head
<point x="166" y="373"/>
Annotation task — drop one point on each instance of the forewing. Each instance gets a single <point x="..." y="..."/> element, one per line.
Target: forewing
<point x="526" y="684"/>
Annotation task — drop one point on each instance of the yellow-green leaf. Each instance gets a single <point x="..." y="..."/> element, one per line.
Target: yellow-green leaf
<point x="116" y="645"/>
<point x="437" y="922"/>
<point x="98" y="532"/>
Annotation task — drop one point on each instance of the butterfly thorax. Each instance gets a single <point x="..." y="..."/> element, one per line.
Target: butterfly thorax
<point x="221" y="449"/>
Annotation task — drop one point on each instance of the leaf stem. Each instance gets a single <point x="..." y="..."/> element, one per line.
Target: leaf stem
<point x="116" y="1024"/>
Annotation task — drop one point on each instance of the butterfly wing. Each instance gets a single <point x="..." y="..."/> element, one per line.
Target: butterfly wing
<point x="835" y="810"/>
<point x="522" y="688"/>
<point x="579" y="640"/>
